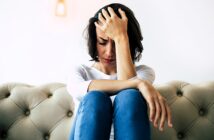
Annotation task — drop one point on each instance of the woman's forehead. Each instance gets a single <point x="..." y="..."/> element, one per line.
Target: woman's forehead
<point x="100" y="33"/>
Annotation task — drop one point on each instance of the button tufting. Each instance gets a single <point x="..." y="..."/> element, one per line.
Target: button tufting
<point x="46" y="136"/>
<point x="7" y="95"/>
<point x="3" y="134"/>
<point x="180" y="135"/>
<point x="179" y="93"/>
<point x="202" y="112"/>
<point x="50" y="95"/>
<point x="27" y="112"/>
<point x="69" y="114"/>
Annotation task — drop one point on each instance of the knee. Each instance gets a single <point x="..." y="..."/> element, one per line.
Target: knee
<point x="129" y="95"/>
<point x="130" y="98"/>
<point x="97" y="101"/>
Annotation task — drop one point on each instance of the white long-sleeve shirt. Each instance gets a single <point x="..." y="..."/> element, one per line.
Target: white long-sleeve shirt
<point x="81" y="76"/>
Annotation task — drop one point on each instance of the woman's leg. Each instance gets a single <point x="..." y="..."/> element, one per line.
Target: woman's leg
<point x="130" y="116"/>
<point x="94" y="117"/>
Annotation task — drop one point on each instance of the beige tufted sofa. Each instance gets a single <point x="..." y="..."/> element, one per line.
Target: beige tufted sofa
<point x="46" y="112"/>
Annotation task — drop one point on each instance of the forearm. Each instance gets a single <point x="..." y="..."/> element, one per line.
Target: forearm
<point x="125" y="66"/>
<point x="112" y="86"/>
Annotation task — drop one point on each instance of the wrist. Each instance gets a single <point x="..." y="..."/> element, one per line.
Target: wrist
<point x="141" y="83"/>
<point x="138" y="82"/>
<point x="121" y="38"/>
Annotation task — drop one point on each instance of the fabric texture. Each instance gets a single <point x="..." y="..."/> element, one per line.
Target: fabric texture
<point x="129" y="114"/>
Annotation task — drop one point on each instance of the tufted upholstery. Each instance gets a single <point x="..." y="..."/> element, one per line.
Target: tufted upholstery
<point x="192" y="108"/>
<point x="35" y="113"/>
<point x="46" y="112"/>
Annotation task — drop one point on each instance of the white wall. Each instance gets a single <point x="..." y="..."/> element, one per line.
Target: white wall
<point x="37" y="47"/>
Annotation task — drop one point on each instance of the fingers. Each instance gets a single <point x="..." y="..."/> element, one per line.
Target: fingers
<point x="158" y="112"/>
<point x="151" y="109"/>
<point x="111" y="12"/>
<point x="98" y="26"/>
<point x="123" y="14"/>
<point x="105" y="17"/>
<point x="169" y="116"/>
<point x="105" y="14"/>
<point x="101" y="19"/>
<point x="163" y="113"/>
<point x="159" y="109"/>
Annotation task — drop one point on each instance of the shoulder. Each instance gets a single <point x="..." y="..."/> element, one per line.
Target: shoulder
<point x="144" y="68"/>
<point x="84" y="70"/>
<point x="145" y="72"/>
<point x="80" y="68"/>
<point x="78" y="72"/>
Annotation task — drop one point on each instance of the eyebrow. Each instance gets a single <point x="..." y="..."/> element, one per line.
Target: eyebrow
<point x="103" y="39"/>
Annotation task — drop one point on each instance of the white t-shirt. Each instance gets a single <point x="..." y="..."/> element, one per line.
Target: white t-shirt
<point x="81" y="76"/>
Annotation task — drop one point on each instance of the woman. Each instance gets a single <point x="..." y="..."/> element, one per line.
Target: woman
<point x="114" y="93"/>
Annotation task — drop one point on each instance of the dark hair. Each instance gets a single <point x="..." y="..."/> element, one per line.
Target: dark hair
<point x="134" y="33"/>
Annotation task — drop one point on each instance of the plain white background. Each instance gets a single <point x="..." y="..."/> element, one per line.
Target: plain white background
<point x="37" y="47"/>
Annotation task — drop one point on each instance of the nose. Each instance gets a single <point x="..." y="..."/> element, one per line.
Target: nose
<point x="110" y="49"/>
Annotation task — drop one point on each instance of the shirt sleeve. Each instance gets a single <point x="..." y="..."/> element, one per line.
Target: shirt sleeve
<point x="145" y="73"/>
<point x="77" y="84"/>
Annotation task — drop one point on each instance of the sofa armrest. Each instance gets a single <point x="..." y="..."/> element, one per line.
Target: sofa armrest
<point x="192" y="107"/>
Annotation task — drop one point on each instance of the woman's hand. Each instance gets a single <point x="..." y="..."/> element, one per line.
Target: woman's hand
<point x="113" y="26"/>
<point x="159" y="109"/>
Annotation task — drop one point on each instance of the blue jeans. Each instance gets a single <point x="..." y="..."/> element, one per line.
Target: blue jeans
<point x="96" y="113"/>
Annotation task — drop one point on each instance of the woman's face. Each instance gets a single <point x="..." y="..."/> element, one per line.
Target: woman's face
<point x="105" y="49"/>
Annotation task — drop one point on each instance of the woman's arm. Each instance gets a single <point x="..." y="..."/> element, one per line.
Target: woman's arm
<point x="112" y="86"/>
<point x="125" y="66"/>
<point x="159" y="110"/>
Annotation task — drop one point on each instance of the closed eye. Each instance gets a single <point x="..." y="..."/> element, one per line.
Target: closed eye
<point x="102" y="43"/>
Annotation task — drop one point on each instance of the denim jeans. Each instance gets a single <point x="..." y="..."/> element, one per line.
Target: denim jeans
<point x="96" y="113"/>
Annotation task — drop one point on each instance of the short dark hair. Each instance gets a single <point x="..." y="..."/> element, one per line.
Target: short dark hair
<point x="134" y="33"/>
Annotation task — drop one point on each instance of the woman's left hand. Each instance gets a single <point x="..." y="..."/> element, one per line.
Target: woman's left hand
<point x="112" y="25"/>
<point x="159" y="109"/>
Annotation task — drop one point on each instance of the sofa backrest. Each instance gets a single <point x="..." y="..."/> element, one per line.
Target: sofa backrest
<point x="46" y="112"/>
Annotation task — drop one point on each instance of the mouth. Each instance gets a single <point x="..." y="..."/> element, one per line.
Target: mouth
<point x="109" y="60"/>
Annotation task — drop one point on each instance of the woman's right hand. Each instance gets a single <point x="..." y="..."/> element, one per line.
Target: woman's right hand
<point x="159" y="109"/>
<point x="112" y="25"/>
